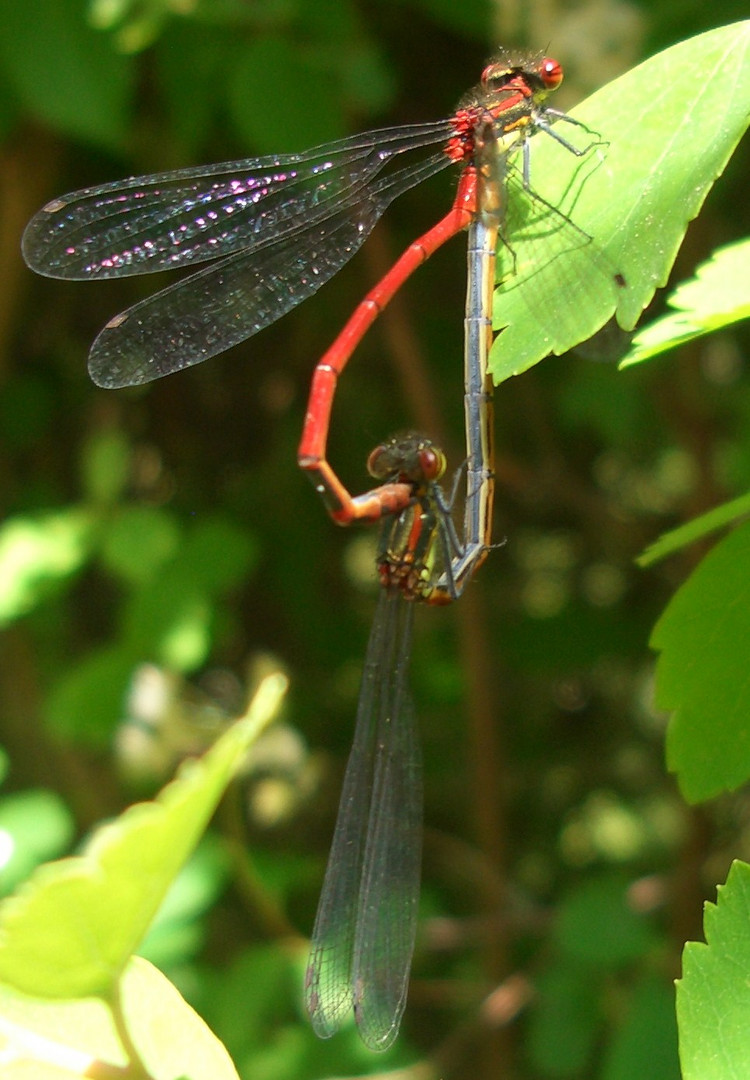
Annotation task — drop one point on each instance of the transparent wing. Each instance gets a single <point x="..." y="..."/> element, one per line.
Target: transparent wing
<point x="558" y="286"/>
<point x="389" y="895"/>
<point x="364" y="931"/>
<point x="225" y="303"/>
<point x="150" y="223"/>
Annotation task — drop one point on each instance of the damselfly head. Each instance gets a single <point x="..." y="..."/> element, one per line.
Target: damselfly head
<point x="512" y="92"/>
<point x="535" y="76"/>
<point x="409" y="458"/>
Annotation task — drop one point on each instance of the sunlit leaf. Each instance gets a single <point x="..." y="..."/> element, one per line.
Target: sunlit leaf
<point x="70" y="931"/>
<point x="37" y="553"/>
<point x="713" y="995"/>
<point x="34" y="825"/>
<point x="47" y="1040"/>
<point x="717" y="297"/>
<point x="633" y="197"/>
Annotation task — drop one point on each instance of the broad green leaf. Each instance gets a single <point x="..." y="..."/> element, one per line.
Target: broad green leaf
<point x="564" y="1021"/>
<point x="718" y="296"/>
<point x="701" y="675"/>
<point x="138" y="540"/>
<point x="64" y="72"/>
<point x="89" y="698"/>
<point x="190" y="71"/>
<point x="218" y="554"/>
<point x="634" y="197"/>
<point x="645" y="1045"/>
<point x="70" y="931"/>
<point x="368" y="81"/>
<point x="696" y="529"/>
<point x="304" y="94"/>
<point x="261" y="975"/>
<point x="46" y="1039"/>
<point x="38" y="552"/>
<point x="713" y="995"/>
<point x="597" y="927"/>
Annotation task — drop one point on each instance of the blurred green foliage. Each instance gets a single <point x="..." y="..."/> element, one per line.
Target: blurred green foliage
<point x="168" y="526"/>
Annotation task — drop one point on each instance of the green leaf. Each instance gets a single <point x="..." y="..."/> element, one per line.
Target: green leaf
<point x="305" y="94"/>
<point x="190" y="68"/>
<point x="138" y="541"/>
<point x="70" y="931"/>
<point x="134" y="26"/>
<point x="64" y="72"/>
<point x="38" y="552"/>
<point x="701" y="674"/>
<point x="48" y="1039"/>
<point x="645" y="1046"/>
<point x="258" y="974"/>
<point x="105" y="466"/>
<point x="564" y="1022"/>
<point x="713" y="995"/>
<point x="634" y="196"/>
<point x="697" y="529"/>
<point x="89" y="699"/>
<point x="34" y="826"/>
<point x="596" y="925"/>
<point x="170" y="622"/>
<point x="178" y="931"/>
<point x="218" y="554"/>
<point x="717" y="297"/>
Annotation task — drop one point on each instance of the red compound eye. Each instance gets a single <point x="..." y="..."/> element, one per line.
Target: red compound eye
<point x="551" y="73"/>
<point x="432" y="462"/>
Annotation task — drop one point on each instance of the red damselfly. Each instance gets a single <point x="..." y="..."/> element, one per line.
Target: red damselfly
<point x="364" y="933"/>
<point x="278" y="228"/>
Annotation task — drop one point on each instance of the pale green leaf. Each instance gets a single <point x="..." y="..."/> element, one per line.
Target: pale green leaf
<point x="81" y="1037"/>
<point x="70" y="931"/>
<point x="36" y="553"/>
<point x="717" y="297"/>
